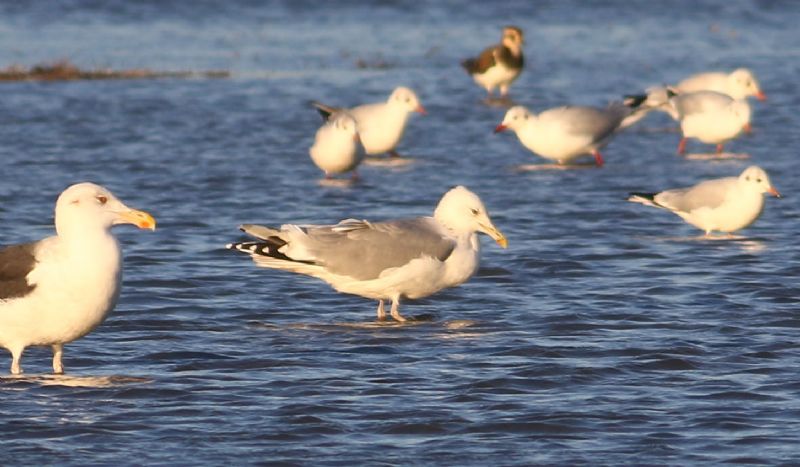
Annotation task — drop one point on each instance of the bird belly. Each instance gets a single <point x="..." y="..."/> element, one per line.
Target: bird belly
<point x="380" y="134"/>
<point x="336" y="157"/>
<point x="552" y="143"/>
<point x="711" y="127"/>
<point x="728" y="217"/>
<point x="496" y="75"/>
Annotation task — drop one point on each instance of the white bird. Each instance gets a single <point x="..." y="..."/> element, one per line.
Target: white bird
<point x="58" y="289"/>
<point x="337" y="147"/>
<point x="563" y="134"/>
<point x="723" y="204"/>
<point x="739" y="84"/>
<point x="381" y="125"/>
<point x="498" y="65"/>
<point x="709" y="116"/>
<point x="392" y="260"/>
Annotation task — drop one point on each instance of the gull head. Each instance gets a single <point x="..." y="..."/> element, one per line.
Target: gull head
<point x="88" y="206"/>
<point x="406" y="99"/>
<point x="755" y="178"/>
<point x="744" y="84"/>
<point x="462" y="211"/>
<point x="516" y="118"/>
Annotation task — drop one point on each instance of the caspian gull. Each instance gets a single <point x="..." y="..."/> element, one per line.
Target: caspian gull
<point x="498" y="65"/>
<point x="381" y="125"/>
<point x="58" y="289"/>
<point x="391" y="260"/>
<point x="723" y="204"/>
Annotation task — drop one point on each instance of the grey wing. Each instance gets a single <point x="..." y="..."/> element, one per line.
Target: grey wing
<point x="16" y="262"/>
<point x="708" y="194"/>
<point x="364" y="250"/>
<point x="591" y="121"/>
<point x="700" y="101"/>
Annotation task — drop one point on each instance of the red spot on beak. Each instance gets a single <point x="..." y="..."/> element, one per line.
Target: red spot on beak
<point x="773" y="192"/>
<point x="761" y="96"/>
<point x="500" y="128"/>
<point x="748" y="128"/>
<point x="421" y="109"/>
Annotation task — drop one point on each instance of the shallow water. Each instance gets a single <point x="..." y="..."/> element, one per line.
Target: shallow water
<point x="607" y="333"/>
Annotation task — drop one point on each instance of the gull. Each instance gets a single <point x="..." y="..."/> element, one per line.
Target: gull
<point x="498" y="65"/>
<point x="709" y="116"/>
<point x="723" y="204"/>
<point x="739" y="84"/>
<point x="390" y="260"/>
<point x="337" y="147"/>
<point x="381" y="125"/>
<point x="563" y="134"/>
<point x="59" y="289"/>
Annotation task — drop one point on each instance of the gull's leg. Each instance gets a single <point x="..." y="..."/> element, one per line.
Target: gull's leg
<point x="58" y="351"/>
<point x="396" y="310"/>
<point x="354" y="176"/>
<point x="720" y="147"/>
<point x="503" y="90"/>
<point x="394" y="153"/>
<point x="16" y="355"/>
<point x="598" y="158"/>
<point x="682" y="147"/>
<point x="381" y="311"/>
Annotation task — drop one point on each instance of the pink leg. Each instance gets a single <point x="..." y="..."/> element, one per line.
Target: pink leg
<point x="682" y="147"/>
<point x="354" y="176"/>
<point x="720" y="147"/>
<point x="598" y="158"/>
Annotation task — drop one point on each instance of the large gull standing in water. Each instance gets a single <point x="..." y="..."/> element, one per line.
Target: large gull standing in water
<point x="391" y="260"/>
<point x="58" y="289"/>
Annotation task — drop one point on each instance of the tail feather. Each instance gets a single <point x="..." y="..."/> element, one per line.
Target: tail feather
<point x="648" y="199"/>
<point x="470" y="65"/>
<point x="259" y="231"/>
<point x="634" y="100"/>
<point x="324" y="110"/>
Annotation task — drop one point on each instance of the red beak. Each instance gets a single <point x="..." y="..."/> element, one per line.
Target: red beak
<point x="773" y="192"/>
<point x="761" y="96"/>
<point x="421" y="110"/>
<point x="748" y="128"/>
<point x="500" y="128"/>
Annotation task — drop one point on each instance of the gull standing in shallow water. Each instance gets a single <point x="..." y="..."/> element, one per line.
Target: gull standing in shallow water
<point x="723" y="204"/>
<point x="58" y="289"/>
<point x="563" y="134"/>
<point x="711" y="117"/>
<point x="381" y="125"/>
<point x="498" y="65"/>
<point x="337" y="147"/>
<point x="391" y="260"/>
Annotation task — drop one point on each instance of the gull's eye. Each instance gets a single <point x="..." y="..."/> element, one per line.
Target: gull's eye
<point x="102" y="199"/>
<point x="758" y="180"/>
<point x="474" y="211"/>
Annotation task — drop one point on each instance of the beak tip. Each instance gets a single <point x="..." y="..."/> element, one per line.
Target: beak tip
<point x="499" y="128"/>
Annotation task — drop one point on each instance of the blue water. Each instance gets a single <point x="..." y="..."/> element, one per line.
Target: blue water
<point x="607" y="333"/>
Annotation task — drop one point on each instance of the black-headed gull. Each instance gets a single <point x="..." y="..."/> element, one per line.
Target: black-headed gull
<point x="498" y="65"/>
<point x="563" y="134"/>
<point x="723" y="204"/>
<point x="739" y="84"/>
<point x="58" y="289"/>
<point x="391" y="260"/>
<point x="381" y="125"/>
<point x="709" y="116"/>
<point x="337" y="147"/>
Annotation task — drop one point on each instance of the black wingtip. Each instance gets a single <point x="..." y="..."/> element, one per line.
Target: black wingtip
<point x="647" y="196"/>
<point x="671" y="93"/>
<point x="634" y="100"/>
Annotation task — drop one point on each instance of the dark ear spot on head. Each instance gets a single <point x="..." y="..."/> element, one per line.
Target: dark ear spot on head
<point x="747" y="178"/>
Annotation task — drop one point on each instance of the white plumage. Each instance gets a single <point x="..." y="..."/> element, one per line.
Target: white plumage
<point x="337" y="147"/>
<point x="709" y="116"/>
<point x="381" y="125"/>
<point x="410" y="258"/>
<point x="723" y="205"/>
<point x="58" y="289"/>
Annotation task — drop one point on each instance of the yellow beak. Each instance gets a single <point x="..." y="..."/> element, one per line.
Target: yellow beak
<point x="496" y="235"/>
<point x="140" y="219"/>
